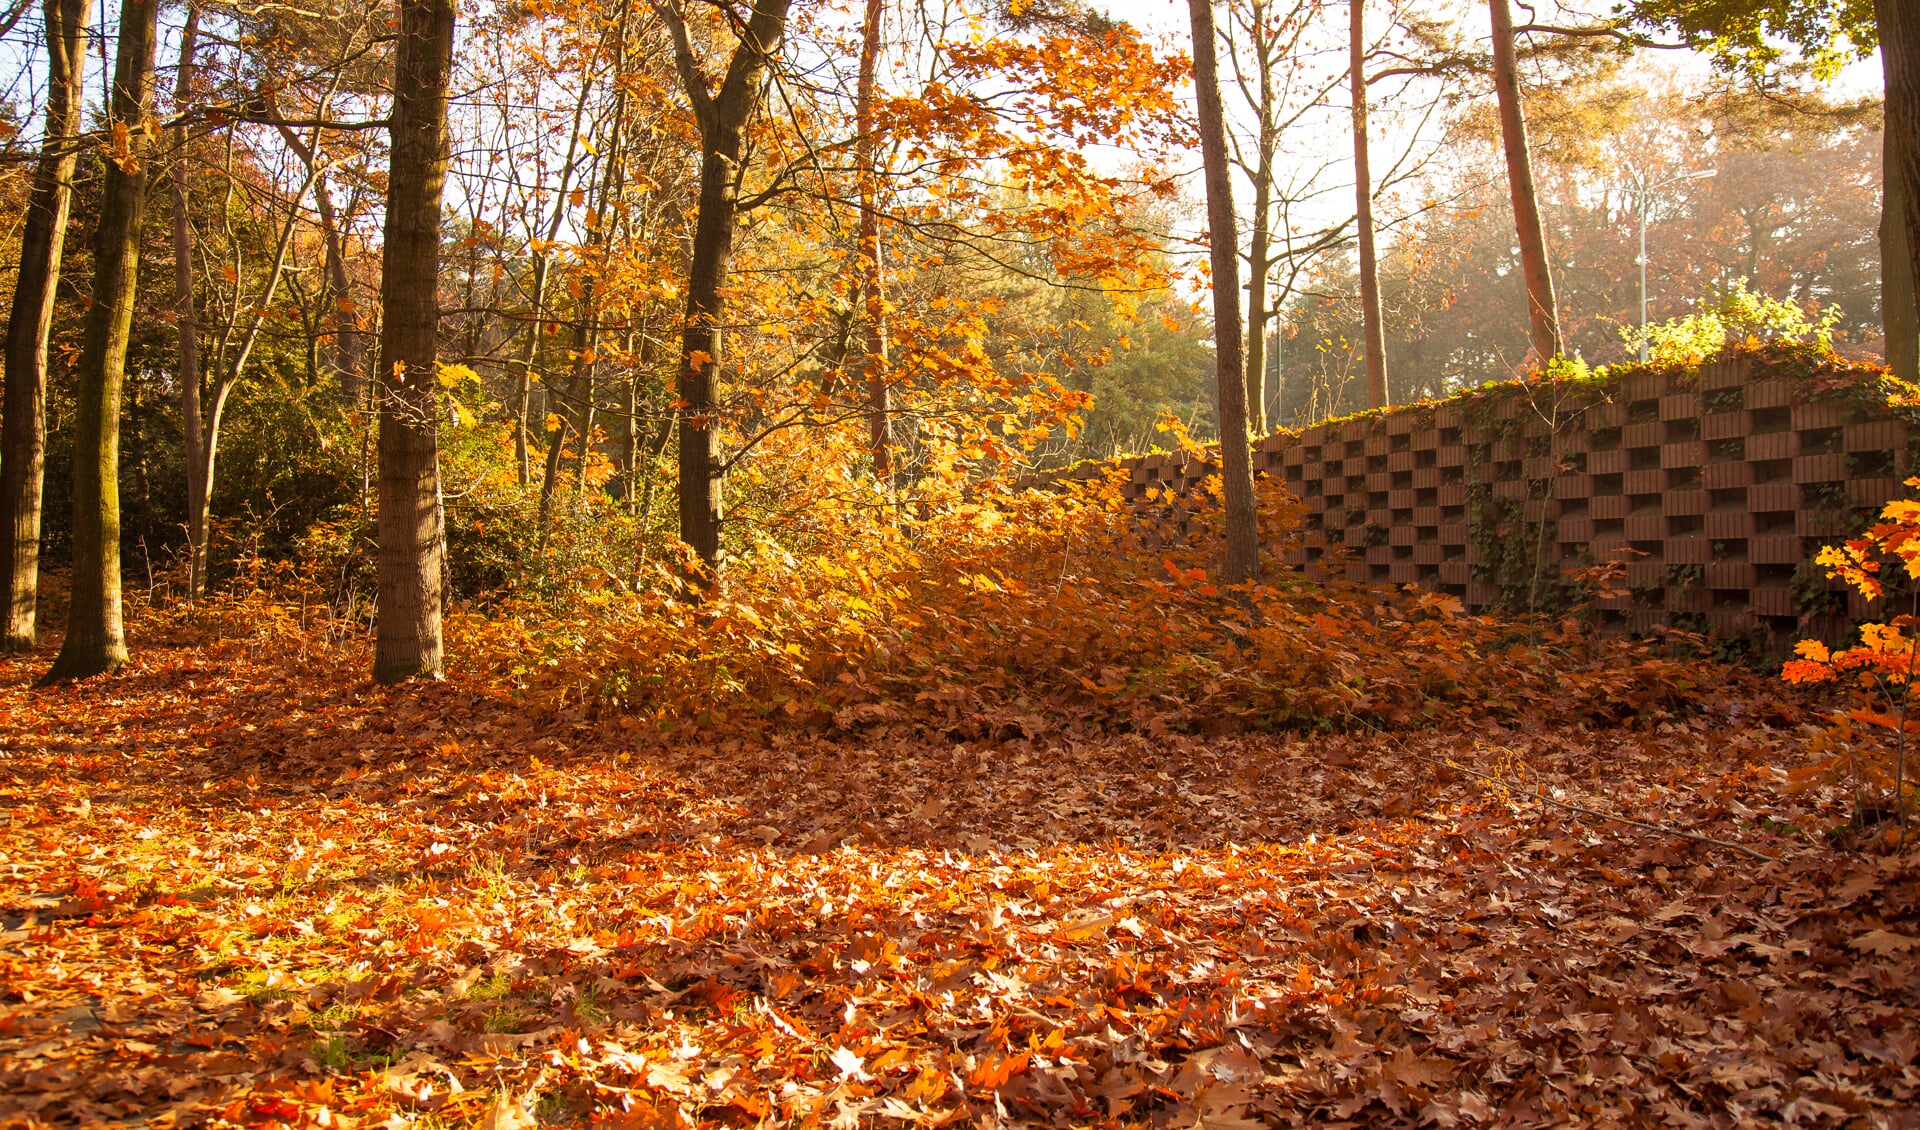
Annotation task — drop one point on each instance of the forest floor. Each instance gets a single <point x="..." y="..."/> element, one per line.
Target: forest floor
<point x="245" y="887"/>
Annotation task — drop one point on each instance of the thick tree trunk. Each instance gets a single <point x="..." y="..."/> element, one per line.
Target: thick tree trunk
<point x="879" y="430"/>
<point x="407" y="641"/>
<point x="1899" y="27"/>
<point x="1236" y="454"/>
<point x="186" y="322"/>
<point x="1897" y="305"/>
<point x="723" y="116"/>
<point x="42" y="244"/>
<point x="1373" y="329"/>
<point x="96" y="639"/>
<point x="1542" y="310"/>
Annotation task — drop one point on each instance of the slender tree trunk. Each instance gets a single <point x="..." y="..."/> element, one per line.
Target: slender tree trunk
<point x="1260" y="240"/>
<point x="1897" y="305"/>
<point x="1373" y="328"/>
<point x="23" y="419"/>
<point x="407" y="640"/>
<point x="1236" y="454"/>
<point x="348" y="354"/>
<point x="1542" y="309"/>
<point x="1899" y="27"/>
<point x="96" y="638"/>
<point x="879" y="430"/>
<point x="723" y="116"/>
<point x="186" y="322"/>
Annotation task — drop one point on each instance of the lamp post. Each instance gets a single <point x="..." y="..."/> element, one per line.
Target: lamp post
<point x="1642" y="191"/>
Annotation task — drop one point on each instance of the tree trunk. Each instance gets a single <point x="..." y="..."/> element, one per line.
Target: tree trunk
<point x="42" y="242"/>
<point x="1898" y="22"/>
<point x="879" y="432"/>
<point x="1897" y="305"/>
<point x="1373" y="329"/>
<point x="96" y="639"/>
<point x="1236" y="454"/>
<point x="347" y="352"/>
<point x="1260" y="240"/>
<point x="722" y="116"/>
<point x="407" y="641"/>
<point x="193" y="438"/>
<point x="1542" y="310"/>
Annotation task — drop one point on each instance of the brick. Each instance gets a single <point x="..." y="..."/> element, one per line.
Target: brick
<point x="1646" y="527"/>
<point x="1643" y="386"/>
<point x="1875" y="435"/>
<point x="1729" y="622"/>
<point x="1379" y="480"/>
<point x="1426" y="439"/>
<point x="1823" y="524"/>
<point x="1773" y="445"/>
<point x="1358" y="573"/>
<point x="1643" y="482"/>
<point x="1874" y="492"/>
<point x="1687" y="502"/>
<point x="1775" y="549"/>
<point x="1608" y="462"/>
<point x="1380" y="518"/>
<point x="1508" y="407"/>
<point x="1453" y="533"/>
<point x="1454" y="572"/>
<point x="1400" y="461"/>
<point x="1426" y="515"/>
<point x="1772" y="498"/>
<point x="1537" y="509"/>
<point x="1812" y="416"/>
<point x="1378" y="554"/>
<point x="1725" y="425"/>
<point x="1450" y="455"/>
<point x="1429" y="553"/>
<point x="1402" y="535"/>
<point x="1426" y="478"/>
<point x="1538" y="467"/>
<point x="1403" y="573"/>
<point x="1769" y="394"/>
<point x="1510" y="490"/>
<point x="1447" y="416"/>
<point x="1480" y="594"/>
<point x="1689" y="549"/>
<point x="1452" y="494"/>
<point x="1606" y="415"/>
<point x="1573" y="486"/>
<point x="1375" y="444"/>
<point x="1679" y="406"/>
<point x="1771" y="601"/>
<point x="1400" y="499"/>
<point x="1820" y="468"/>
<point x="1642" y="573"/>
<point x="1689" y="600"/>
<point x="1605" y="546"/>
<point x="1645" y="620"/>
<point x="1571" y="440"/>
<point x="1686" y="453"/>
<point x="1610" y="506"/>
<point x="1403" y="423"/>
<point x="1642" y="435"/>
<point x="1576" y="530"/>
<point x="1726" y="525"/>
<point x="1729" y="576"/>
<point x="1533" y="426"/>
<point x="1506" y="449"/>
<point x="1723" y="374"/>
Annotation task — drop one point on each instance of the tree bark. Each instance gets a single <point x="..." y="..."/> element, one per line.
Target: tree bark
<point x="1898" y="23"/>
<point x="722" y="116"/>
<point x="1236" y="454"/>
<point x="879" y="428"/>
<point x="1542" y="310"/>
<point x="96" y="638"/>
<point x="407" y="639"/>
<point x="23" y="419"/>
<point x="348" y="356"/>
<point x="186" y="323"/>
<point x="1260" y="239"/>
<point x="1897" y="305"/>
<point x="1373" y="329"/>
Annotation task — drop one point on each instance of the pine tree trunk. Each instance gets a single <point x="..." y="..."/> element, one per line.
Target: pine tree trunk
<point x="186" y="323"/>
<point x="23" y="431"/>
<point x="1236" y="454"/>
<point x="407" y="640"/>
<point x="1542" y="310"/>
<point x="1373" y="330"/>
<point x="96" y="638"/>
<point x="1898" y="22"/>
<point x="879" y="430"/>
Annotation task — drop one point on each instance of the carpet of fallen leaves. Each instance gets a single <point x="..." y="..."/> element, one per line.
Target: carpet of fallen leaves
<point x="241" y="886"/>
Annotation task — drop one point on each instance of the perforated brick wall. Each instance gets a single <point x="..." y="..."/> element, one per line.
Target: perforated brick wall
<point x="1724" y="480"/>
